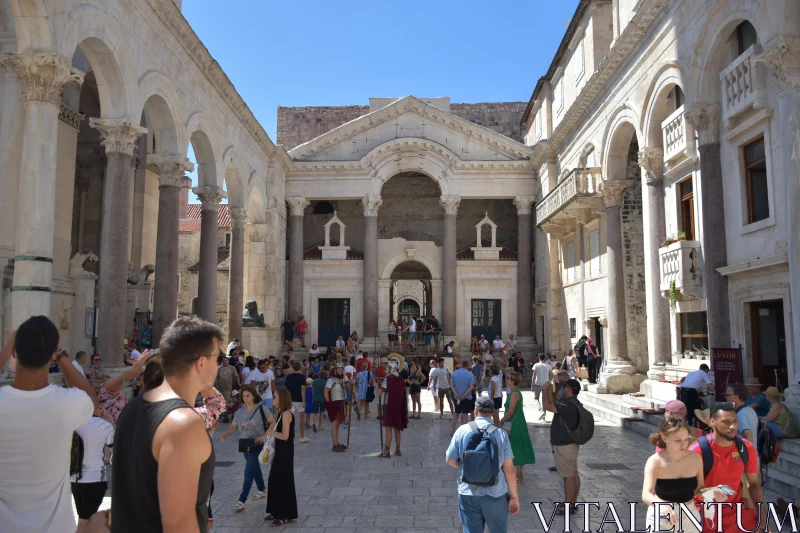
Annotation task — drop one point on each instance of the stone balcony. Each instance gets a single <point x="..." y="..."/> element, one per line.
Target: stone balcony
<point x="743" y="84"/>
<point x="576" y="198"/>
<point x="681" y="262"/>
<point x="678" y="137"/>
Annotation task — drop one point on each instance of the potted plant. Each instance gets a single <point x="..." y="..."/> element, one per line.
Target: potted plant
<point x="681" y="236"/>
<point x="672" y="295"/>
<point x="667" y="241"/>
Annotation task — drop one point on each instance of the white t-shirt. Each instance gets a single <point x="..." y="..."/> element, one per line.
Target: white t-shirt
<point x="498" y="386"/>
<point x="79" y="367"/>
<point x="512" y="343"/>
<point x="97" y="435"/>
<point x="313" y="351"/>
<point x="412" y="325"/>
<point x="696" y="380"/>
<point x="498" y="344"/>
<point x="135" y="354"/>
<point x="449" y="349"/>
<point x="443" y="375"/>
<point x="230" y="346"/>
<point x="340" y="343"/>
<point x="261" y="377"/>
<point x="541" y="374"/>
<point x="350" y="370"/>
<point x="35" y="441"/>
<point x="246" y="372"/>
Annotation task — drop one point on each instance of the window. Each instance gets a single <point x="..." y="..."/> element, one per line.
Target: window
<point x="323" y="208"/>
<point x="745" y="36"/>
<point x="571" y="262"/>
<point x="573" y="328"/>
<point x="694" y="331"/>
<point x="594" y="253"/>
<point x="228" y="240"/>
<point x="687" y="208"/>
<point x="579" y="58"/>
<point x="675" y="98"/>
<point x="537" y="124"/>
<point x="755" y="167"/>
<point x="558" y="96"/>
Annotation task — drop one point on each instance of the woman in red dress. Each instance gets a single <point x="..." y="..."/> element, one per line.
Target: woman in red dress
<point x="395" y="418"/>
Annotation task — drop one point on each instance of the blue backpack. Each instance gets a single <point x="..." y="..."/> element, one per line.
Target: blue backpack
<point x="481" y="460"/>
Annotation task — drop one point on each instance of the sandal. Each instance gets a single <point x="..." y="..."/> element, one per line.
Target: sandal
<point x="386" y="453"/>
<point x="397" y="453"/>
<point x="278" y="523"/>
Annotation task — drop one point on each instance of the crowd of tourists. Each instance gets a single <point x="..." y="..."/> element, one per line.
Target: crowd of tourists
<point x="56" y="447"/>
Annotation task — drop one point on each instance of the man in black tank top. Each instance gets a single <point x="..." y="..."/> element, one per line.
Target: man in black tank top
<point x="163" y="457"/>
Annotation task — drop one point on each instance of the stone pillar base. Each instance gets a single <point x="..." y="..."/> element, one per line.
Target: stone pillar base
<point x="656" y="372"/>
<point x="261" y="342"/>
<point x="369" y="344"/>
<point x="619" y="376"/>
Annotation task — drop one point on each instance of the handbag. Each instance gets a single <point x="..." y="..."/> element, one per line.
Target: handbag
<point x="267" y="454"/>
<point x="370" y="392"/>
<point x="250" y="445"/>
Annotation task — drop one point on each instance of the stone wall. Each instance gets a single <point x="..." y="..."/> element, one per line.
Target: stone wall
<point x="633" y="244"/>
<point x="297" y="125"/>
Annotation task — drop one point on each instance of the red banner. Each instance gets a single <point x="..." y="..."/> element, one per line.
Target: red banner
<point x="726" y="363"/>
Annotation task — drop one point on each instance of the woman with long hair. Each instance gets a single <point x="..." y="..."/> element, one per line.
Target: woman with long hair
<point x="254" y="422"/>
<point x="415" y="380"/>
<point x="249" y="366"/>
<point x="518" y="433"/>
<point x="570" y="364"/>
<point x="674" y="475"/>
<point x="282" y="498"/>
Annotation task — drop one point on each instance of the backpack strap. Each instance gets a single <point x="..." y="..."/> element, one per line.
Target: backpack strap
<point x="473" y="426"/>
<point x="708" y="456"/>
<point x="263" y="417"/>
<point x="742" y="447"/>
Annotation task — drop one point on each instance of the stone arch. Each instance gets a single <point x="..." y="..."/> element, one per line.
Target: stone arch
<point x="31" y="22"/>
<point x="207" y="174"/>
<point x="235" y="172"/>
<point x="159" y="105"/>
<point x="655" y="109"/>
<point x="411" y="155"/>
<point x="622" y="127"/>
<point x="587" y="152"/>
<point x="403" y="257"/>
<point x="256" y="207"/>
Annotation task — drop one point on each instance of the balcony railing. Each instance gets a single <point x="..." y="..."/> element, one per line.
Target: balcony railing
<point x="680" y="263"/>
<point x="743" y="84"/>
<point x="676" y="135"/>
<point x="580" y="182"/>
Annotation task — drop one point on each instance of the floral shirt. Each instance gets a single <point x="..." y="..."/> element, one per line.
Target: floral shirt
<point x="112" y="404"/>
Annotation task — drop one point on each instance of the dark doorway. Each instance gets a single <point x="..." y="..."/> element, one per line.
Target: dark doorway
<point x="597" y="341"/>
<point x="407" y="309"/>
<point x="486" y="318"/>
<point x="769" y="343"/>
<point x="334" y="320"/>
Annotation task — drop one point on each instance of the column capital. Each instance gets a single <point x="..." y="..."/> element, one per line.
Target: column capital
<point x="371" y="205"/>
<point x="297" y="204"/>
<point x="169" y="168"/>
<point x="238" y="217"/>
<point x="42" y="74"/>
<point x="783" y="59"/>
<point x="614" y="191"/>
<point x="119" y="134"/>
<point x="524" y="204"/>
<point x="651" y="160"/>
<point x="210" y="197"/>
<point x="450" y="204"/>
<point x="705" y="119"/>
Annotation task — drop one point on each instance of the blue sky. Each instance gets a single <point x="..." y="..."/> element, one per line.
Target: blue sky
<point x="303" y="53"/>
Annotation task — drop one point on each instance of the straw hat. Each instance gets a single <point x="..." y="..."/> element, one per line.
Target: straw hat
<point x="703" y="415"/>
<point x="753" y="382"/>
<point x="773" y="392"/>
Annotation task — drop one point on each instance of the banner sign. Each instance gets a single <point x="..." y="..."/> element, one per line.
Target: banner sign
<point x="726" y="363"/>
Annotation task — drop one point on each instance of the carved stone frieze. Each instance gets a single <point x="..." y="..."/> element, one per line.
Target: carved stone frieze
<point x="614" y="192"/>
<point x="706" y="121"/>
<point x="118" y="134"/>
<point x="43" y="75"/>
<point x="783" y="59"/>
<point x="651" y="160"/>
<point x="70" y="117"/>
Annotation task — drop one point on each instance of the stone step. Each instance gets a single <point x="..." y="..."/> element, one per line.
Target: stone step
<point x="644" y="402"/>
<point x="784" y="484"/>
<point x="613" y="402"/>
<point x="643" y="428"/>
<point x="791" y="446"/>
<point x="789" y="464"/>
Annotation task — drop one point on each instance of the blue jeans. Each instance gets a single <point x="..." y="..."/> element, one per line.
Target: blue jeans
<point x="252" y="471"/>
<point x="775" y="429"/>
<point x="477" y="511"/>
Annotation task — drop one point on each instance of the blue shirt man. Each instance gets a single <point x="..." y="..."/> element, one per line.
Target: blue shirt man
<point x="480" y="506"/>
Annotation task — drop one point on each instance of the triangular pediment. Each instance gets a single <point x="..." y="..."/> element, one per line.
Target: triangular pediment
<point x="406" y="119"/>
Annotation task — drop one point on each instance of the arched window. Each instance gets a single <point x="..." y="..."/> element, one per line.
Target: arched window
<point x="746" y="36"/>
<point x="323" y="208"/>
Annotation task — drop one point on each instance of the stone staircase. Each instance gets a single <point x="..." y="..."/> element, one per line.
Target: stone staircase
<point x="783" y="478"/>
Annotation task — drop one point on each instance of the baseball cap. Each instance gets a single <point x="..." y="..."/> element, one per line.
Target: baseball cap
<point x="484" y="403"/>
<point x="384" y="360"/>
<point x="675" y="406"/>
<point x="573" y="384"/>
<point x="440" y="360"/>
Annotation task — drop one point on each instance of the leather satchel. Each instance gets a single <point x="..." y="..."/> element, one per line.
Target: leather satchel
<point x="250" y="445"/>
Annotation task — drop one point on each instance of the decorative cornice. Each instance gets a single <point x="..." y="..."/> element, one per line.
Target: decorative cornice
<point x="238" y="217"/>
<point x="410" y="104"/>
<point x="119" y="134"/>
<point x="43" y="74"/>
<point x="210" y="197"/>
<point x="297" y="205"/>
<point x="651" y="160"/>
<point x="169" y="168"/>
<point x="614" y="191"/>
<point x="783" y="59"/>
<point x="630" y="38"/>
<point x="405" y="145"/>
<point x="705" y="119"/>
<point x="70" y="117"/>
<point x="371" y="205"/>
<point x="524" y="204"/>
<point x="450" y="204"/>
<point x="362" y="167"/>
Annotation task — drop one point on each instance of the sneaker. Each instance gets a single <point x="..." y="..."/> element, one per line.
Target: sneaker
<point x="238" y="506"/>
<point x="358" y="412"/>
<point x="346" y="423"/>
<point x="304" y="440"/>
<point x="260" y="494"/>
<point x="314" y="427"/>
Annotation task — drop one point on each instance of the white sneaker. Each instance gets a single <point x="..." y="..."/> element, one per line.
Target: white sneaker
<point x="260" y="494"/>
<point x="238" y="506"/>
<point x="304" y="440"/>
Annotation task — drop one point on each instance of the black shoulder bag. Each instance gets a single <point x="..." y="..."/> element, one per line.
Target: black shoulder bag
<point x="250" y="445"/>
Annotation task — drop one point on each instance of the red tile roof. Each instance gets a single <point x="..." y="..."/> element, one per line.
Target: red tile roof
<point x="466" y="254"/>
<point x="191" y="223"/>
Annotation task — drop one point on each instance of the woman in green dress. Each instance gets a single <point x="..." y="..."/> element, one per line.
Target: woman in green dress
<point x="518" y="434"/>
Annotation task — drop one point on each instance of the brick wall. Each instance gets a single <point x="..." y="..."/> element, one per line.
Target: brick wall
<point x="633" y="244"/>
<point x="297" y="125"/>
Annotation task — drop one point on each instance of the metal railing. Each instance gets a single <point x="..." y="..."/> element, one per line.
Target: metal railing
<point x="389" y="340"/>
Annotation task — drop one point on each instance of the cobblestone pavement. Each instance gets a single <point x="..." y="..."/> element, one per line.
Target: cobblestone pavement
<point x="357" y="492"/>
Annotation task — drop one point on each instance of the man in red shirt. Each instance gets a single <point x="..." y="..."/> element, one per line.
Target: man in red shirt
<point x="727" y="469"/>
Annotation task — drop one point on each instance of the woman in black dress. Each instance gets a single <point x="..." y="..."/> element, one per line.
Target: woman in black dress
<point x="281" y="495"/>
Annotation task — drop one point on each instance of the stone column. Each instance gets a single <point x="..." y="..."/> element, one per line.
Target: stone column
<point x="524" y="267"/>
<point x="236" y="272"/>
<point x="170" y="169"/>
<point x="11" y="136"/>
<point x="42" y="77"/>
<point x="658" y="342"/>
<point x="449" y="274"/>
<point x="618" y="367"/>
<point x="706" y="122"/>
<point x="371" y="206"/>
<point x="297" y="206"/>
<point x="119" y="139"/>
<point x="210" y="197"/>
<point x="783" y="60"/>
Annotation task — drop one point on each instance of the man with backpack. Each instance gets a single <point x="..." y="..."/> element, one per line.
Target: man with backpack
<point x="726" y="458"/>
<point x="572" y="426"/>
<point x="487" y="483"/>
<point x="580" y="350"/>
